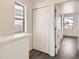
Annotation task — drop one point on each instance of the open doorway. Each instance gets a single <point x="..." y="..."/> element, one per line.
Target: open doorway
<point x="66" y="25"/>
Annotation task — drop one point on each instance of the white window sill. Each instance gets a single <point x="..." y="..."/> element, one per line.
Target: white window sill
<point x="17" y="36"/>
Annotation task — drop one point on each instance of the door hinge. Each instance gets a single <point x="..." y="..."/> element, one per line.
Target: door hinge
<point x="55" y="10"/>
<point x="55" y="46"/>
<point x="55" y="28"/>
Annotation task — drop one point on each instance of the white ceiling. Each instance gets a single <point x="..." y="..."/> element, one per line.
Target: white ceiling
<point x="40" y="1"/>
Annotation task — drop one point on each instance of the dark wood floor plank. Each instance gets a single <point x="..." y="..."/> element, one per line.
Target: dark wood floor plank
<point x="34" y="54"/>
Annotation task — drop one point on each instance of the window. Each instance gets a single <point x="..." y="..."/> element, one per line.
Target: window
<point x="68" y="22"/>
<point x="19" y="18"/>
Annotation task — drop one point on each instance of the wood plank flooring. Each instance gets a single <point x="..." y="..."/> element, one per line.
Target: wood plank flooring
<point x="34" y="54"/>
<point x="63" y="53"/>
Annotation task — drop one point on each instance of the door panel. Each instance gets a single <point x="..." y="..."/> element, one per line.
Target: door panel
<point x="41" y="19"/>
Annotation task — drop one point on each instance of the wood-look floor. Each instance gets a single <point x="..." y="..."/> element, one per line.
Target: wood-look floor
<point x="34" y="54"/>
<point x="62" y="53"/>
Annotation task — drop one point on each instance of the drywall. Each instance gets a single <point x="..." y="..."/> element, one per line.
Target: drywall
<point x="15" y="49"/>
<point x="29" y="21"/>
<point x="78" y="33"/>
<point x="7" y="17"/>
<point x="28" y="3"/>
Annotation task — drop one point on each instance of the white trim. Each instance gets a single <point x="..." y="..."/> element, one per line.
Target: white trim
<point x="26" y="19"/>
<point x="5" y="39"/>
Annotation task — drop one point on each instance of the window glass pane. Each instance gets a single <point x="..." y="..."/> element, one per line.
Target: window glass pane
<point x="18" y="11"/>
<point x="17" y="6"/>
<point x="18" y="25"/>
<point x="68" y="22"/>
<point x="19" y="18"/>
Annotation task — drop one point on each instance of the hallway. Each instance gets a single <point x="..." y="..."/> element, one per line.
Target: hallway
<point x="68" y="50"/>
<point x="39" y="29"/>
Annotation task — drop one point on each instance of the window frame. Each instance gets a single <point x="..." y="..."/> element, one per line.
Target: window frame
<point x="64" y="17"/>
<point x="65" y="24"/>
<point x="21" y="19"/>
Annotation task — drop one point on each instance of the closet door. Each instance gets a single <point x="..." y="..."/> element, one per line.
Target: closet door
<point x="41" y="19"/>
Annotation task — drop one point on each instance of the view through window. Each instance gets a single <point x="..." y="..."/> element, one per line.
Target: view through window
<point x="68" y="22"/>
<point x="19" y="18"/>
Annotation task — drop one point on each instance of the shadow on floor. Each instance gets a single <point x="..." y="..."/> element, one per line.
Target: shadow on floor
<point x="34" y="54"/>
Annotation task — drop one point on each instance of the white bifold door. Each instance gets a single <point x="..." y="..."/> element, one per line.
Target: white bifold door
<point x="41" y="27"/>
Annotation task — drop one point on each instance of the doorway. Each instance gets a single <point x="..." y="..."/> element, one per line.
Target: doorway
<point x="41" y="29"/>
<point x="66" y="22"/>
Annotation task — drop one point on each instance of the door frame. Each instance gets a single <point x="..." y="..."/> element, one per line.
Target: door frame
<point x="55" y="46"/>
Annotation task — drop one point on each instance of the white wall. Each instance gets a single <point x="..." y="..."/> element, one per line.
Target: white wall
<point x="78" y="33"/>
<point x="42" y="3"/>
<point x="29" y="21"/>
<point x="18" y="48"/>
<point x="7" y="17"/>
<point x="28" y="4"/>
